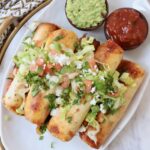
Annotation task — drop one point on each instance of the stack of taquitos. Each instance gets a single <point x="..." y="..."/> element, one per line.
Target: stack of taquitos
<point x="37" y="109"/>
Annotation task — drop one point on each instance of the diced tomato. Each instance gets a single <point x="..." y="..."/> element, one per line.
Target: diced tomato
<point x="48" y="69"/>
<point x="53" y="52"/>
<point x="58" y="67"/>
<point x="33" y="67"/>
<point x="40" y="61"/>
<point x="88" y="85"/>
<point x="65" y="82"/>
<point x="92" y="64"/>
<point x="114" y="94"/>
<point x="42" y="72"/>
<point x="38" y="43"/>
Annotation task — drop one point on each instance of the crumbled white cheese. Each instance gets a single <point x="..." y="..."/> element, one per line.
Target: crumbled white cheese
<point x="93" y="89"/>
<point x="81" y="76"/>
<point x="78" y="64"/>
<point x="97" y="96"/>
<point x="89" y="70"/>
<point x="102" y="78"/>
<point x="59" y="100"/>
<point x="93" y="101"/>
<point x="62" y="59"/>
<point x="82" y="129"/>
<point x="48" y="76"/>
<point x="58" y="91"/>
<point x="54" y="112"/>
<point x="92" y="72"/>
<point x="102" y="109"/>
<point x="85" y="71"/>
<point x="52" y="78"/>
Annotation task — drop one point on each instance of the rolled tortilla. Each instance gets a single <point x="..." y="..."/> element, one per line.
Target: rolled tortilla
<point x="42" y="32"/>
<point x="39" y="115"/>
<point x="111" y="120"/>
<point x="37" y="108"/>
<point x="58" y="126"/>
<point x="109" y="53"/>
<point x="15" y="96"/>
<point x="68" y="38"/>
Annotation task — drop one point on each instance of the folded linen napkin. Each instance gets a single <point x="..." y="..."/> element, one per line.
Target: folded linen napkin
<point x="11" y="10"/>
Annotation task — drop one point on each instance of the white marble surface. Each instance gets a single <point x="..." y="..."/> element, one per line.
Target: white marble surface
<point x="136" y="135"/>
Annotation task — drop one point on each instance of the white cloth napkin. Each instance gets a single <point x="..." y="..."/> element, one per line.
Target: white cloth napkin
<point x="16" y="8"/>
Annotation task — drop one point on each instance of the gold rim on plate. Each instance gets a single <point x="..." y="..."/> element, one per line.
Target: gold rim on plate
<point x="16" y="29"/>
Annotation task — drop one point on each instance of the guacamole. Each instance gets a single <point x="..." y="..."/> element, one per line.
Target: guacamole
<point x="86" y="13"/>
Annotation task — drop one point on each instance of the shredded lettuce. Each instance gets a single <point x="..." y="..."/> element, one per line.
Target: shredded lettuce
<point x="125" y="77"/>
<point x="91" y="117"/>
<point x="87" y="41"/>
<point x="85" y="50"/>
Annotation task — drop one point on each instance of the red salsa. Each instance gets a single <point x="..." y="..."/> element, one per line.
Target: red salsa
<point x="127" y="27"/>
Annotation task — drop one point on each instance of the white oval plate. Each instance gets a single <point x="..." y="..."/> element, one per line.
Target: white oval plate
<point x="19" y="134"/>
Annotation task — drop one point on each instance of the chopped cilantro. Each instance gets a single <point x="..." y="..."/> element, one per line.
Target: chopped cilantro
<point x="43" y="128"/>
<point x="80" y="94"/>
<point x="91" y="117"/>
<point x="78" y="79"/>
<point x="52" y="144"/>
<point x="41" y="137"/>
<point x="36" y="82"/>
<point x="76" y="101"/>
<point x="65" y="96"/>
<point x="57" y="46"/>
<point x="67" y="69"/>
<point x="100" y="85"/>
<point x="109" y="105"/>
<point x="51" y="98"/>
<point x="35" y="90"/>
<point x="109" y="82"/>
<point x="77" y="46"/>
<point x="85" y="65"/>
<point x="29" y="77"/>
<point x="105" y="85"/>
<point x="69" y="119"/>
<point x="59" y="37"/>
<point x="95" y="110"/>
<point x="39" y="70"/>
